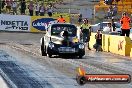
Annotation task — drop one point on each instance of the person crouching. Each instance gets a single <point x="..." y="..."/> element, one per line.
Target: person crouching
<point x="98" y="37"/>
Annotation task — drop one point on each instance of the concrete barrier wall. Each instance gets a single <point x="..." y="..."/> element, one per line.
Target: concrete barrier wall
<point x="92" y="40"/>
<point x="115" y="44"/>
<point x="120" y="45"/>
<point x="131" y="53"/>
<point x="105" y="42"/>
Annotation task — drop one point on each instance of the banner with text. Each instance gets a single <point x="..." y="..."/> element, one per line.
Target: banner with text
<point x="40" y="23"/>
<point x="15" y="22"/>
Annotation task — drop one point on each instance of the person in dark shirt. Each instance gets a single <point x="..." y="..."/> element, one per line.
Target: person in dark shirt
<point x="98" y="37"/>
<point x="66" y="41"/>
<point x="79" y="19"/>
<point x="23" y="7"/>
<point x="113" y="25"/>
<point x="3" y="4"/>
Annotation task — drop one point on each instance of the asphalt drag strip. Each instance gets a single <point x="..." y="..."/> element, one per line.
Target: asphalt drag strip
<point x="93" y="64"/>
<point x="20" y="53"/>
<point x="3" y="84"/>
<point x="31" y="74"/>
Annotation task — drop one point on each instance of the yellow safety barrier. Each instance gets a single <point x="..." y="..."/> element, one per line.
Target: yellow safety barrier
<point x="113" y="43"/>
<point x="120" y="45"/>
<point x="131" y="53"/>
<point x="92" y="40"/>
<point x="105" y="42"/>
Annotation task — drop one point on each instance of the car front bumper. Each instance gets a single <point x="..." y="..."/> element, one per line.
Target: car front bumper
<point x="55" y="51"/>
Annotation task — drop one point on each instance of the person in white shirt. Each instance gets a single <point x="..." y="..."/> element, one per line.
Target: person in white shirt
<point x="50" y="11"/>
<point x="37" y="9"/>
<point x="42" y="9"/>
<point x="14" y="7"/>
<point x="107" y="29"/>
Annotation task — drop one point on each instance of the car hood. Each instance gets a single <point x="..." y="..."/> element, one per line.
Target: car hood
<point x="58" y="40"/>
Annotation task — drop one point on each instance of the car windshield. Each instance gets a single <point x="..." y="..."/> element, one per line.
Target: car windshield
<point x="58" y="28"/>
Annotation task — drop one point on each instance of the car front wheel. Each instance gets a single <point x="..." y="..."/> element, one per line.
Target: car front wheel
<point x="49" y="52"/>
<point x="80" y="56"/>
<point x="43" y="52"/>
<point x="50" y="55"/>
